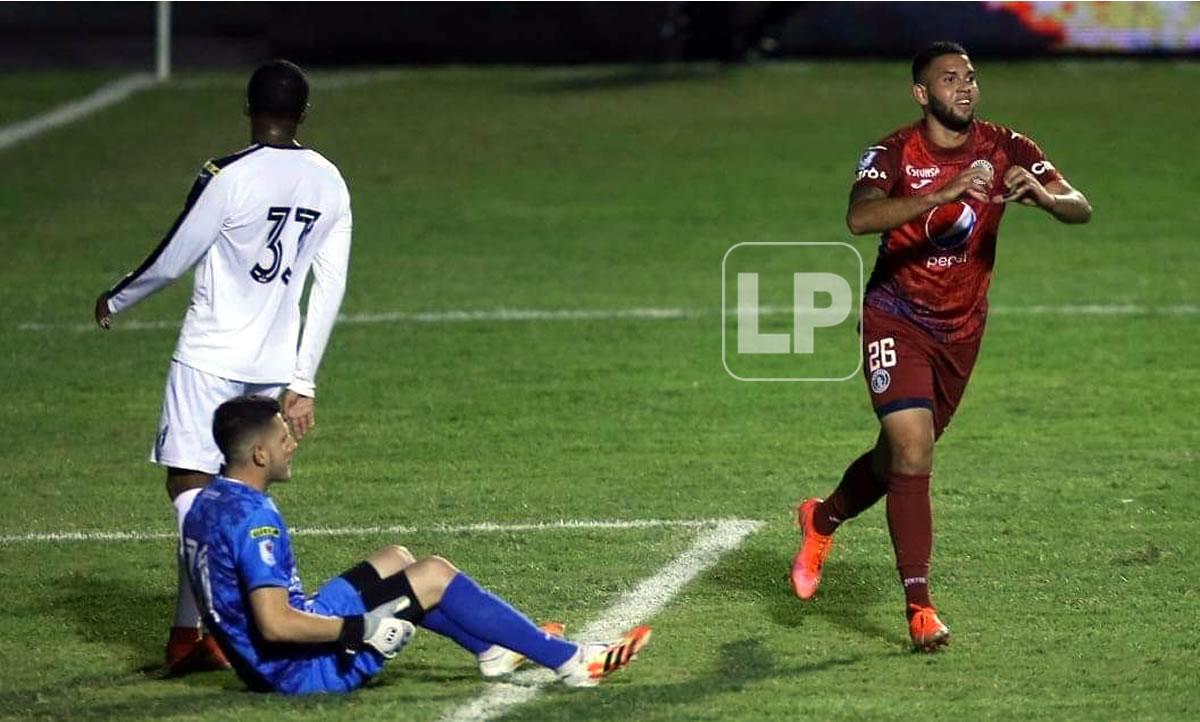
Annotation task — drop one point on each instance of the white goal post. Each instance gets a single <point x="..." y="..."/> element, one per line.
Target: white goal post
<point x="162" y="41"/>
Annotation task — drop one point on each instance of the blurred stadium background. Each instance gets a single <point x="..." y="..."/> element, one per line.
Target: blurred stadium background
<point x="216" y="34"/>
<point x="543" y="193"/>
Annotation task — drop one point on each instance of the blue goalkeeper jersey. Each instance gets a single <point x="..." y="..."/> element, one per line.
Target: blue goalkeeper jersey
<point x="235" y="541"/>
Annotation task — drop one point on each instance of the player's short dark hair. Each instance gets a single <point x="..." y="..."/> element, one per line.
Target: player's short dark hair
<point x="278" y="88"/>
<point x="239" y="418"/>
<point x="934" y="50"/>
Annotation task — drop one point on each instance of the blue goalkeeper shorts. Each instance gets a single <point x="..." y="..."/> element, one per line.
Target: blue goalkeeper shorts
<point x="332" y="671"/>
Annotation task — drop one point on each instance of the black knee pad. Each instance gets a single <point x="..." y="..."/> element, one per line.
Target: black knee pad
<point x="397" y="592"/>
<point x="361" y="576"/>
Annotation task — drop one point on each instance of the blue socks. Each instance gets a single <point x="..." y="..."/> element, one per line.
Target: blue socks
<point x="435" y="621"/>
<point x="487" y="619"/>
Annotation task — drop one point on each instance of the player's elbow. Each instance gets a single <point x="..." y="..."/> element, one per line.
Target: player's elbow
<point x="274" y="632"/>
<point x="272" y="627"/>
<point x="1086" y="214"/>
<point x="1081" y="211"/>
<point x="267" y="629"/>
<point x="856" y="223"/>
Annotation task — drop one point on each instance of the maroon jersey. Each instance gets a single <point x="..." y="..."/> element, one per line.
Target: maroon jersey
<point x="935" y="269"/>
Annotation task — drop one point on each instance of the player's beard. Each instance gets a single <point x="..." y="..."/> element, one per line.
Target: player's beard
<point x="945" y="115"/>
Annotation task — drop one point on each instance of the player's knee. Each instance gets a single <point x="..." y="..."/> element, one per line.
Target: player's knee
<point x="912" y="455"/>
<point x="431" y="571"/>
<point x="403" y="556"/>
<point x="440" y="568"/>
<point x="429" y="578"/>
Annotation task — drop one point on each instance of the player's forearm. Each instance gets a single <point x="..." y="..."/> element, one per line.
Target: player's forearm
<point x="324" y="301"/>
<point x="877" y="215"/>
<point x="1072" y="207"/>
<point x="135" y="288"/>
<point x="292" y="626"/>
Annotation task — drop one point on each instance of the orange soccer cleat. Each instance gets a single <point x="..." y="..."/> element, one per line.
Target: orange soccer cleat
<point x="594" y="662"/>
<point x="927" y="631"/>
<point x="814" y="547"/>
<point x="189" y="649"/>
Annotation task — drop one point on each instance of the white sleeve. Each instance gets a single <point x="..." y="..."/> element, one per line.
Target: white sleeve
<point x="193" y="234"/>
<point x="324" y="299"/>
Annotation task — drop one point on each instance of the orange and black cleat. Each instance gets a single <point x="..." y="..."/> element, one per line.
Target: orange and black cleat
<point x="596" y="661"/>
<point x="814" y="547"/>
<point x="927" y="631"/>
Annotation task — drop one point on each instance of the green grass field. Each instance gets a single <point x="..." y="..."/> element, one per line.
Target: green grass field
<point x="1064" y="493"/>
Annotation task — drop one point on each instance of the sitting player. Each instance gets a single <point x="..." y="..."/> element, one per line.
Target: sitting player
<point x="240" y="564"/>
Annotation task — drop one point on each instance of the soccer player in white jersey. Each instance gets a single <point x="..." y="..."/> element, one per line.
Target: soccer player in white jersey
<point x="253" y="225"/>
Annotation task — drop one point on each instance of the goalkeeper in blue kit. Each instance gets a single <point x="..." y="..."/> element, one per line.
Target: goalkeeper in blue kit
<point x="241" y="567"/>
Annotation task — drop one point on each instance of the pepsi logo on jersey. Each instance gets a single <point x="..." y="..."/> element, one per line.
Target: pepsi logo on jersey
<point x="950" y="225"/>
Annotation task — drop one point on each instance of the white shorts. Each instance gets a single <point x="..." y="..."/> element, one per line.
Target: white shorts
<point x="185" y="439"/>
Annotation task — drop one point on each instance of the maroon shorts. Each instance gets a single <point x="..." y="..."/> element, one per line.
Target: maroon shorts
<point x="906" y="367"/>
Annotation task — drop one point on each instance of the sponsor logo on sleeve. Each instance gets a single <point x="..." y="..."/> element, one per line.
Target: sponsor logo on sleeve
<point x="864" y="168"/>
<point x="266" y="551"/>
<point x="261" y="531"/>
<point x="1042" y="166"/>
<point x="866" y="160"/>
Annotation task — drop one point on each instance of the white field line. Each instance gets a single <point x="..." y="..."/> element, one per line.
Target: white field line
<point x="482" y="527"/>
<point x="645" y="600"/>
<point x="101" y="98"/>
<point x="501" y="315"/>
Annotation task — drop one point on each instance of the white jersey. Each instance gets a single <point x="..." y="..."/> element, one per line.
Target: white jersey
<point x="253" y="225"/>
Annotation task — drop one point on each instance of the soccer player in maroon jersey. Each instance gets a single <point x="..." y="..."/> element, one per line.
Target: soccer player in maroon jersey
<point x="935" y="190"/>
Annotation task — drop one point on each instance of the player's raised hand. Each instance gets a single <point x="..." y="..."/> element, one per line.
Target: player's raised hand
<point x="101" y="312"/>
<point x="300" y="412"/>
<point x="1021" y="186"/>
<point x="972" y="182"/>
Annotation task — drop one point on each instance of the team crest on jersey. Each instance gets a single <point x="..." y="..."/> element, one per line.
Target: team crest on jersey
<point x="880" y="380"/>
<point x="987" y="166"/>
<point x="266" y="551"/>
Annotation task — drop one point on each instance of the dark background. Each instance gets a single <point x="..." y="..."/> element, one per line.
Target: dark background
<point x="216" y="34"/>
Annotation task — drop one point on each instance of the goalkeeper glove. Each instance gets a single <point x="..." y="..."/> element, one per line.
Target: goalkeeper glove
<point x="383" y="633"/>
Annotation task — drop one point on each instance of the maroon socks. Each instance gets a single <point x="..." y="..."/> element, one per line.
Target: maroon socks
<point x="859" y="490"/>
<point x="909" y="517"/>
<point x="910" y="522"/>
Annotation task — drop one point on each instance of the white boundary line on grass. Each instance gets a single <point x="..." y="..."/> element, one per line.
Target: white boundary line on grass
<point x="104" y="96"/>
<point x="481" y="527"/>
<point x="645" y="600"/>
<point x="503" y="315"/>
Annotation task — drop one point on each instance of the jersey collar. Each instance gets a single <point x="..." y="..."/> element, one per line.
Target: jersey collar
<point x="938" y="151"/>
<point x="294" y="145"/>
